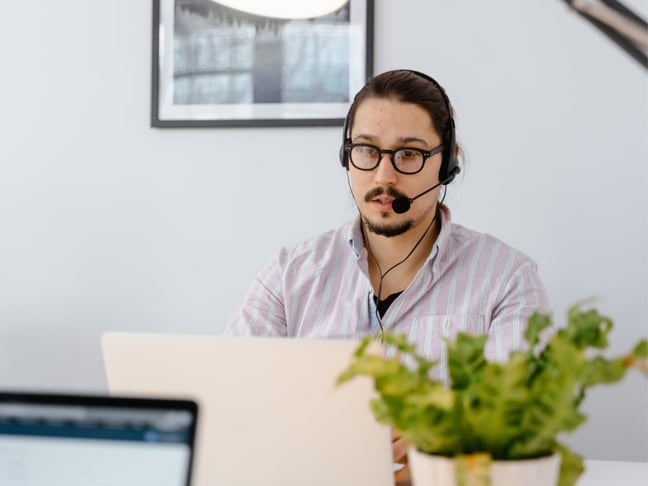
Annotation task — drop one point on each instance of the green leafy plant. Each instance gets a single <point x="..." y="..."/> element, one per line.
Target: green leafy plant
<point x="498" y="410"/>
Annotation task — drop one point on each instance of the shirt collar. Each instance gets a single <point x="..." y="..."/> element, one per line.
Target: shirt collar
<point x="441" y="243"/>
<point x="356" y="240"/>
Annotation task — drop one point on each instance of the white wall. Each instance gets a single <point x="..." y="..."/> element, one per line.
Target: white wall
<point x="107" y="224"/>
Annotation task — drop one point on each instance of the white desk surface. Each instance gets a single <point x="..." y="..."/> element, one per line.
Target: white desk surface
<point x="614" y="473"/>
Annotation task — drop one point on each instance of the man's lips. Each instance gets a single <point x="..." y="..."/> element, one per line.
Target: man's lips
<point x="381" y="198"/>
<point x="382" y="195"/>
<point x="383" y="204"/>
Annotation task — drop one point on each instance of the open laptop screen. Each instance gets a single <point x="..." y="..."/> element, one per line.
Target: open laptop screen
<point x="65" y="440"/>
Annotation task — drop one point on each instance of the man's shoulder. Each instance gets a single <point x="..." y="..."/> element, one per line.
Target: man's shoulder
<point x="319" y="245"/>
<point x="465" y="240"/>
<point x="460" y="242"/>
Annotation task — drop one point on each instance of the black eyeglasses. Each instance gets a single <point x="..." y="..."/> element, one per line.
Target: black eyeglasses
<point x="406" y="160"/>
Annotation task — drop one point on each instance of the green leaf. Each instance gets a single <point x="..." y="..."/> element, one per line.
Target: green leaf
<point x="586" y="328"/>
<point x="571" y="466"/>
<point x="553" y="399"/>
<point x="429" y="426"/>
<point x="495" y="406"/>
<point x="535" y="325"/>
<point x="362" y="349"/>
<point x="640" y="351"/>
<point x="639" y="357"/>
<point x="436" y="395"/>
<point x="601" y="370"/>
<point x="466" y="359"/>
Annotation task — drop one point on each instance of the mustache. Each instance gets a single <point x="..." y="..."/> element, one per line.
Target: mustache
<point x="379" y="191"/>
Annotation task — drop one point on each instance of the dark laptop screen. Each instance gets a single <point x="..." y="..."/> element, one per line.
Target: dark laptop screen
<point x="57" y="440"/>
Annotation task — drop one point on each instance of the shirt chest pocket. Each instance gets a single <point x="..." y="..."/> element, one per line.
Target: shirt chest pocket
<point x="450" y="324"/>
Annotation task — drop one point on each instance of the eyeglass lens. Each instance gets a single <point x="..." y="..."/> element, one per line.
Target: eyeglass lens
<point x="405" y="160"/>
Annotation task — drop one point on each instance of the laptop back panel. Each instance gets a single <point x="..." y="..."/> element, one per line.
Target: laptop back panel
<point x="270" y="410"/>
<point x="74" y="440"/>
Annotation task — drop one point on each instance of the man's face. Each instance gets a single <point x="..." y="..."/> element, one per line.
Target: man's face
<point x="391" y="124"/>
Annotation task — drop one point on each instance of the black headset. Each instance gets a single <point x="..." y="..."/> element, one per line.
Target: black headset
<point x="449" y="164"/>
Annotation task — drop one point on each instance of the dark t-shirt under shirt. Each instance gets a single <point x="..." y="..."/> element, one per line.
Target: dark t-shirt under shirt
<point x="383" y="305"/>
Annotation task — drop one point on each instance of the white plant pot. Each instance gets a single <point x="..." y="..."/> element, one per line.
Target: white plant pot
<point x="430" y="470"/>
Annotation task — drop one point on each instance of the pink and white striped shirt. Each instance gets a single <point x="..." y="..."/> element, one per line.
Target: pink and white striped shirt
<point x="471" y="282"/>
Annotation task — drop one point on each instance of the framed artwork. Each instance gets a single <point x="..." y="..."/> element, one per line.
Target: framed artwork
<point x="214" y="66"/>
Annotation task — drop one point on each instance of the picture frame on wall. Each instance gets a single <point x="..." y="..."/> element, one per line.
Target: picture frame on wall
<point x="215" y="66"/>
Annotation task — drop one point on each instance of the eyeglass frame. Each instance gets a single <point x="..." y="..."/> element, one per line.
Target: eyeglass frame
<point x="348" y="147"/>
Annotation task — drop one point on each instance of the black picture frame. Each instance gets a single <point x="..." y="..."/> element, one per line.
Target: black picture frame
<point x="273" y="72"/>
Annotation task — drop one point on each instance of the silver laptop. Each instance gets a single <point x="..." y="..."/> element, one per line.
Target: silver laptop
<point x="271" y="413"/>
<point x="72" y="440"/>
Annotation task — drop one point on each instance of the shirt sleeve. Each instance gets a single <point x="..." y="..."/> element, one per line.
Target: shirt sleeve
<point x="523" y="294"/>
<point x="262" y="312"/>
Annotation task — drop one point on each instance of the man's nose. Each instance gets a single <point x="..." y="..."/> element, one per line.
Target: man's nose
<point x="385" y="172"/>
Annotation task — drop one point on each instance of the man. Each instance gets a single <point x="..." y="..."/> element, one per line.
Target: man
<point x="401" y="265"/>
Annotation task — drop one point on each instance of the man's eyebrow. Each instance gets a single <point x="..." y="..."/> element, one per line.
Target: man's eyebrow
<point x="412" y="139"/>
<point x="403" y="140"/>
<point x="364" y="137"/>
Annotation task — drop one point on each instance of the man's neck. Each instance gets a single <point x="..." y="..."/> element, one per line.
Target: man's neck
<point x="385" y="252"/>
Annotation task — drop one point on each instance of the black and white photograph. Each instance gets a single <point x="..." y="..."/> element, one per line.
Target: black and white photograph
<point x="214" y="65"/>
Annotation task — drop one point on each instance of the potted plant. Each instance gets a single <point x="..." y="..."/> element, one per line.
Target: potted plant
<point x="495" y="414"/>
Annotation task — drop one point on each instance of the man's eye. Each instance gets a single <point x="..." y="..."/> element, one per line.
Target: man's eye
<point x="368" y="151"/>
<point x="409" y="154"/>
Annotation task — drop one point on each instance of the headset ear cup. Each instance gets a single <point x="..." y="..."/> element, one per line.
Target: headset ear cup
<point x="450" y="165"/>
<point x="343" y="156"/>
<point x="454" y="169"/>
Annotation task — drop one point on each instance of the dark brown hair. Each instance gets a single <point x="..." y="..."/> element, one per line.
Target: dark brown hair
<point x="407" y="87"/>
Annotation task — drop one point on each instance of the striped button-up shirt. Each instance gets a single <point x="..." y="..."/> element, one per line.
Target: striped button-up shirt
<point x="470" y="282"/>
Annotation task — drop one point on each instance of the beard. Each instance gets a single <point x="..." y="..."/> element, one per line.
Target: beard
<point x="385" y="228"/>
